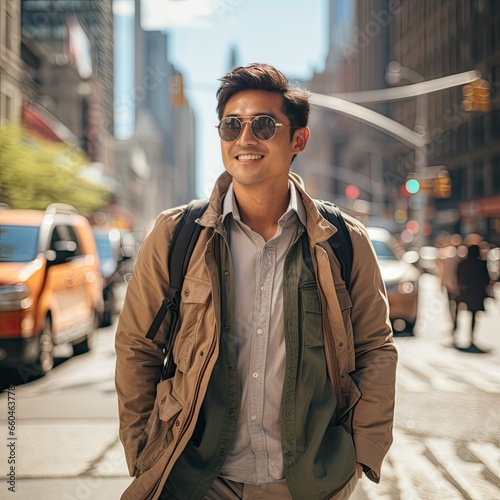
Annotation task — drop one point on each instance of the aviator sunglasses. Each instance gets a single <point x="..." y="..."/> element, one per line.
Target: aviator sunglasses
<point x="263" y="127"/>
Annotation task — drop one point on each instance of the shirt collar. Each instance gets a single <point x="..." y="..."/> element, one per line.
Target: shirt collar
<point x="295" y="204"/>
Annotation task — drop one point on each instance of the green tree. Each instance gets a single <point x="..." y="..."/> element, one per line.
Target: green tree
<point x="35" y="173"/>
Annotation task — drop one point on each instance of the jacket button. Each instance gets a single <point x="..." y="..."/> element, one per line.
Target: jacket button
<point x="226" y="274"/>
<point x="341" y="344"/>
<point x="177" y="423"/>
<point x="187" y="292"/>
<point x="163" y="399"/>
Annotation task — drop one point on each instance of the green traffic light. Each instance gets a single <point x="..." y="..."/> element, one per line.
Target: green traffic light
<point x="412" y="186"/>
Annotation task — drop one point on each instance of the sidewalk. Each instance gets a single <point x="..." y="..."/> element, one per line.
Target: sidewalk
<point x="67" y="445"/>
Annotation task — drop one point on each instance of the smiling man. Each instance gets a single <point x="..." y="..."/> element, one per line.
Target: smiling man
<point x="284" y="380"/>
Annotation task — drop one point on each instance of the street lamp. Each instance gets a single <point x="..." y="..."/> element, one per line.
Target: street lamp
<point x="395" y="73"/>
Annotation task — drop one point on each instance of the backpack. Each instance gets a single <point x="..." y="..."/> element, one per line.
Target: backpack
<point x="183" y="242"/>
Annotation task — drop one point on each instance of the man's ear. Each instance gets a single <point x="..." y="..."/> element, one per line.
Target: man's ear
<point x="300" y="139"/>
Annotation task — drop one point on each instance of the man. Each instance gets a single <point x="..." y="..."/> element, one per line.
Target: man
<point x="284" y="382"/>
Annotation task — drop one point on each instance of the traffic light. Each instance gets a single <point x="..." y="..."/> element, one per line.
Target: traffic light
<point x="442" y="185"/>
<point x="177" y="97"/>
<point x="476" y="96"/>
<point x="412" y="186"/>
<point x="482" y="94"/>
<point x="352" y="191"/>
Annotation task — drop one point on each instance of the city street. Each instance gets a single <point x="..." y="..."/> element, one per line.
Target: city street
<point x="446" y="439"/>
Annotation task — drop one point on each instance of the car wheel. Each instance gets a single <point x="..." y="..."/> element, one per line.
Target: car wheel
<point x="86" y="344"/>
<point x="402" y="327"/>
<point x="107" y="315"/>
<point x="46" y="357"/>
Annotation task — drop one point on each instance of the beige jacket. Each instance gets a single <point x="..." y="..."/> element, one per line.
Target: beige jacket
<point x="157" y="418"/>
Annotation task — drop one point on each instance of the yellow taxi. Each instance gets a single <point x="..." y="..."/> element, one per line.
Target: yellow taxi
<point x="50" y="285"/>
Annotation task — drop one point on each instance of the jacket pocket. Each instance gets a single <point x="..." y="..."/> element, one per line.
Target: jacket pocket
<point x="195" y="296"/>
<point x="351" y="397"/>
<point x="158" y="432"/>
<point x="311" y="316"/>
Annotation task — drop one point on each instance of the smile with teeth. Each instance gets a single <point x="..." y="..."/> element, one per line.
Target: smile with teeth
<point x="249" y="157"/>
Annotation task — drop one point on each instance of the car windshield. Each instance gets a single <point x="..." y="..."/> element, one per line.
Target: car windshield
<point x="382" y="250"/>
<point x="18" y="243"/>
<point x="103" y="246"/>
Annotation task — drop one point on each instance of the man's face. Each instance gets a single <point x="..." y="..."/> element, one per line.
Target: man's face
<point x="253" y="162"/>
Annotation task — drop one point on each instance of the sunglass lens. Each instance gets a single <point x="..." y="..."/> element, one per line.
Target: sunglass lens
<point x="263" y="127"/>
<point x="229" y="129"/>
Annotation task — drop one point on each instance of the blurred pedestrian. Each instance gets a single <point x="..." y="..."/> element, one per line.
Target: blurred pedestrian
<point x="451" y="252"/>
<point x="473" y="280"/>
<point x="284" y="386"/>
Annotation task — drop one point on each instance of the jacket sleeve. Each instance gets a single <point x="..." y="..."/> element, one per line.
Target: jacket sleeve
<point x="139" y="361"/>
<point x="375" y="357"/>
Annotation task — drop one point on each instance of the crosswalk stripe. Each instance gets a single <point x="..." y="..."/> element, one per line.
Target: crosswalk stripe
<point x="478" y="380"/>
<point x="417" y="477"/>
<point x="467" y="474"/>
<point x="438" y="380"/>
<point x="489" y="454"/>
<point x="488" y="370"/>
<point x="411" y="383"/>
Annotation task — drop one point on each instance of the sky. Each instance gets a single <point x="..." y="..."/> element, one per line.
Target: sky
<point x="289" y="34"/>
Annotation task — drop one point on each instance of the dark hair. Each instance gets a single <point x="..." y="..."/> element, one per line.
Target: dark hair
<point x="258" y="76"/>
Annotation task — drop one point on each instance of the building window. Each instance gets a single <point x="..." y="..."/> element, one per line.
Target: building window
<point x="8" y="31"/>
<point x="457" y="177"/>
<point x="495" y="123"/>
<point x="478" y="131"/>
<point x="8" y="108"/>
<point x="496" y="174"/>
<point x="5" y="108"/>
<point x="462" y="137"/>
<point x="478" y="179"/>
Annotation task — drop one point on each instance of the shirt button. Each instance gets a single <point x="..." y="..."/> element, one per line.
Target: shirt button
<point x="255" y="375"/>
<point x="260" y="331"/>
<point x="263" y="288"/>
<point x="254" y="417"/>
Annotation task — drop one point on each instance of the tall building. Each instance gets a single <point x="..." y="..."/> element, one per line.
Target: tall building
<point x="10" y="61"/>
<point x="161" y="153"/>
<point x="49" y="21"/>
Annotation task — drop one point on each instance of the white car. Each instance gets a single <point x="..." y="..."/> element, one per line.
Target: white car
<point x="400" y="277"/>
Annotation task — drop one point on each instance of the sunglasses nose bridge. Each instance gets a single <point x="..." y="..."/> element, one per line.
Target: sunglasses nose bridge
<point x="246" y="131"/>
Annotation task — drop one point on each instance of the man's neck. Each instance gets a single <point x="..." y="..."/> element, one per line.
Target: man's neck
<point x="261" y="209"/>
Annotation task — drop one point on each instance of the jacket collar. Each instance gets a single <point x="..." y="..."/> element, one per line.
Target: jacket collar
<point x="318" y="228"/>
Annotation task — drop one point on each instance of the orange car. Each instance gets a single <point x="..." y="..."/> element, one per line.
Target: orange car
<point x="50" y="285"/>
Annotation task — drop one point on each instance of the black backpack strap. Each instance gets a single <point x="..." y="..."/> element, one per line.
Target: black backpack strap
<point x="340" y="242"/>
<point x="183" y="242"/>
